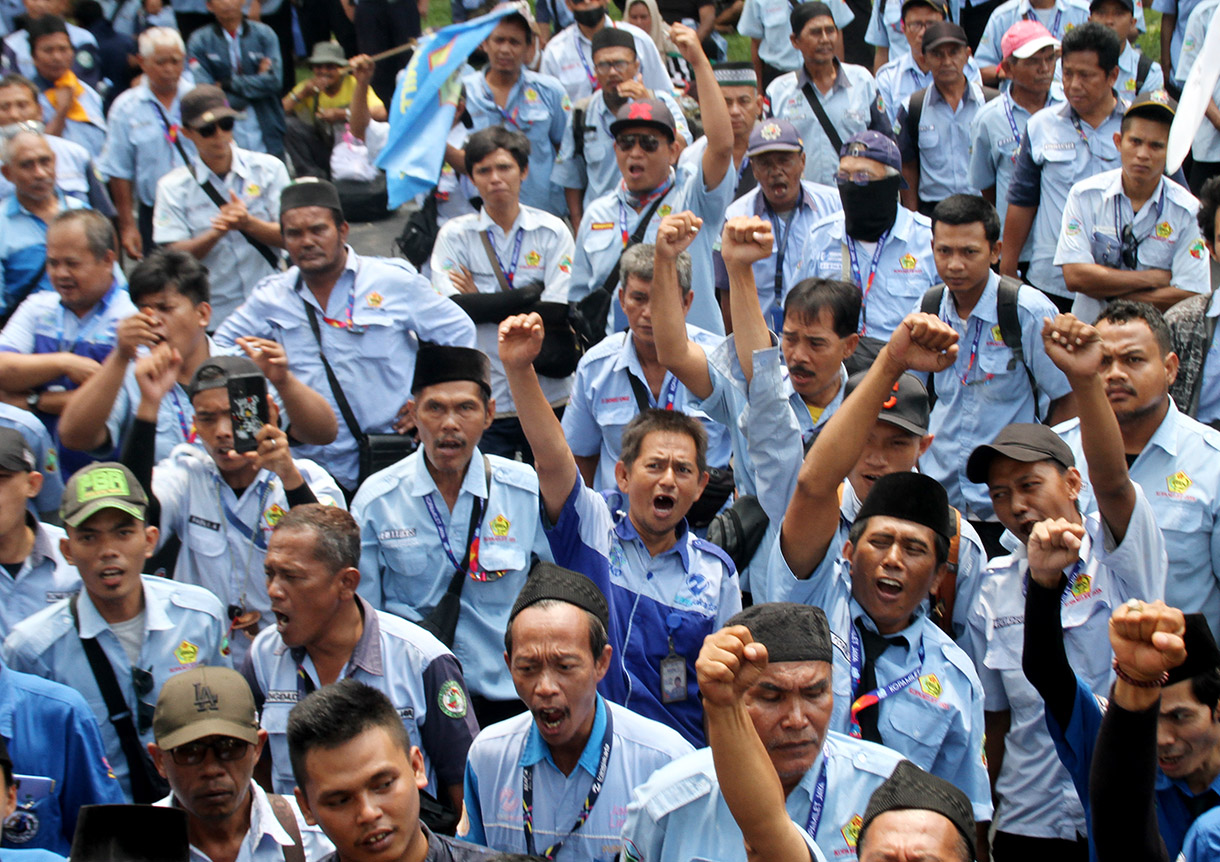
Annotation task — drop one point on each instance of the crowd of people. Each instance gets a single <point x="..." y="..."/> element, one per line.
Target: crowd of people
<point x="842" y="480"/>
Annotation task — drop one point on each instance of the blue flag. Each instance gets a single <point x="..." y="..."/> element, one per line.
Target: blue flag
<point x="425" y="99"/>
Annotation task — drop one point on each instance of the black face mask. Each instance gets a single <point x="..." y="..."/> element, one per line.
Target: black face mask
<point x="870" y="210"/>
<point x="589" y="17"/>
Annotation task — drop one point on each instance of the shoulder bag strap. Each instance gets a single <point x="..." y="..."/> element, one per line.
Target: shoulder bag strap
<point x="915" y="114"/>
<point x="578" y="132"/>
<point x="1142" y="69"/>
<point x="832" y="134"/>
<point x="636" y="237"/>
<point x="283" y="813"/>
<point x="1196" y="389"/>
<point x="349" y="418"/>
<point x="495" y="263"/>
<point x="1010" y="330"/>
<point x="186" y="160"/>
<point x="641" y="395"/>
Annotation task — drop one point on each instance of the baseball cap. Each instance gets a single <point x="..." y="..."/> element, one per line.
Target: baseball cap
<point x="1026" y="38"/>
<point x="908" y="406"/>
<point x="774" y="136"/>
<point x="104" y="485"/>
<point x="931" y="4"/>
<point x="328" y="54"/>
<point x="1020" y="441"/>
<point x="205" y="104"/>
<point x="942" y="33"/>
<point x="216" y="371"/>
<point x="873" y="145"/>
<point x="1156" y="105"/>
<point x="201" y="702"/>
<point x="1129" y="5"/>
<point x="644" y="112"/>
<point x="15" y="453"/>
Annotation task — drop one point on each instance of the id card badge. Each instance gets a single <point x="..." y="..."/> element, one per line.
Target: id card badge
<point x="673" y="677"/>
<point x="22" y="825"/>
<point x="33" y="788"/>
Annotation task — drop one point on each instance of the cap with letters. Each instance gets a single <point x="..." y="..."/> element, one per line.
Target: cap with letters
<point x="104" y="485"/>
<point x="201" y="702"/>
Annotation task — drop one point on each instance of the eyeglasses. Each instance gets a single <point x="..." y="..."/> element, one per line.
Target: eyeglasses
<point x="860" y="178"/>
<point x="915" y="26"/>
<point x="648" y="143"/>
<point x="142" y="681"/>
<point x="1131" y="248"/>
<point x="225" y="124"/>
<point x="226" y="748"/>
<point x="605" y="66"/>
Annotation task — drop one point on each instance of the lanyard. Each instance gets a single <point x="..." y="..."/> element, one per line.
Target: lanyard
<point x="351" y="304"/>
<point x="599" y="779"/>
<point x="670" y="393"/>
<point x="1118" y="217"/>
<point x="188" y="431"/>
<point x="1012" y="124"/>
<point x="241" y="569"/>
<point x="917" y="78"/>
<point x="819" y="801"/>
<point x="472" y="541"/>
<point x="1068" y="591"/>
<point x="171" y="129"/>
<point x="1030" y="16"/>
<point x="509" y="272"/>
<point x="643" y="201"/>
<point x="878" y="694"/>
<point x="781" y="247"/>
<point x="872" y="273"/>
<point x="580" y="54"/>
<point x="974" y="353"/>
<point x="253" y="536"/>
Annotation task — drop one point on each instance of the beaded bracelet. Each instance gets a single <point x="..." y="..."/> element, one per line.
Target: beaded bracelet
<point x="1140" y="683"/>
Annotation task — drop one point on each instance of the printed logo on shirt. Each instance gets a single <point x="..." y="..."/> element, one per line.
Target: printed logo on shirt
<point x="1073" y="228"/>
<point x="499" y="526"/>
<point x="533" y="258"/>
<point x="997" y="337"/>
<point x="1164" y="230"/>
<point x="851" y="830"/>
<point x="665" y="210"/>
<point x="1178" y="482"/>
<point x="109" y="769"/>
<point x="1196" y="249"/>
<point x="452" y="699"/>
<point x="1082" y="585"/>
<point x="907" y="261"/>
<point x="374" y="300"/>
<point x="272" y="516"/>
<point x="1130" y="85"/>
<point x="930" y="685"/>
<point x="531" y="95"/>
<point x="204" y="522"/>
<point x="565" y="265"/>
<point x="252" y="190"/>
<point x="187" y="653"/>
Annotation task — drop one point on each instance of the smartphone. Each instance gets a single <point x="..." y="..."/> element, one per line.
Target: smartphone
<point x="248" y="408"/>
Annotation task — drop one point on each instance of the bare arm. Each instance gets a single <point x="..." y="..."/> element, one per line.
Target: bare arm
<point x="707" y="21"/>
<point x="745" y="240"/>
<point x="124" y="205"/>
<point x="1168" y="23"/>
<point x="576" y="204"/>
<point x="22" y="371"/>
<point x="1104" y="282"/>
<point x="717" y="127"/>
<point x="675" y="351"/>
<point x="1162" y="298"/>
<point x="756" y="60"/>
<point x="1017" y="225"/>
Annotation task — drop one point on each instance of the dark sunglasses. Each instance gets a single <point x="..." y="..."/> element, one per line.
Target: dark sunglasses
<point x="648" y="143"/>
<point x="1131" y="248"/>
<point x="225" y="124"/>
<point x="226" y="749"/>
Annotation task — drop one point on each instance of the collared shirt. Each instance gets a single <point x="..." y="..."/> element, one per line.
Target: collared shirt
<point x="224" y="537"/>
<point x="1192" y="40"/>
<point x="442" y="848"/>
<point x="1058" y="149"/>
<point x="538" y="107"/>
<point x="851" y="105"/>
<point x="46" y="455"/>
<point x="944" y="142"/>
<point x="73" y="170"/>
<point x="1035" y="792"/>
<point x="603" y="402"/>
<point x="905" y="268"/>
<point x="183" y="626"/>
<point x="267" y="840"/>
<point x="536" y="248"/>
<point x="404" y="570"/>
<point x="569" y="59"/>
<point x="937" y="721"/>
<point x="502" y="752"/>
<point x="1065" y="15"/>
<point x="670" y="601"/>
<point x="596" y="171"/>
<point x="86" y="60"/>
<point x="1179" y="471"/>
<point x="1097" y="213"/>
<point x="984" y="390"/>
<point x="1128" y="74"/>
<point x="994" y="144"/>
<point x="901" y="77"/>
<point x="144" y="140"/>
<point x="90" y="133"/>
<point x="23" y="246"/>
<point x="1177" y="820"/>
<point x="184" y="210"/>
<point x="211" y="53"/>
<point x="679" y="814"/>
<point x="1182" y="9"/>
<point x="392" y="309"/>
<point x="407" y="664"/>
<point x="769" y="21"/>
<point x="51" y="734"/>
<point x="609" y="220"/>
<point x="816" y="202"/>
<point x="1209" y="395"/>
<point x="43" y="579"/>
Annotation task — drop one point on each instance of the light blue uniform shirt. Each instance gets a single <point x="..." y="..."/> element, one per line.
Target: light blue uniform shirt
<point x="597" y="170"/>
<point x="537" y="107"/>
<point x="1036" y="795"/>
<point x="139" y="146"/>
<point x="1192" y="40"/>
<point x="937" y="721"/>
<point x="404" y="570"/>
<point x="183" y="626"/>
<point x="944" y="142"/>
<point x="568" y="58"/>
<point x="502" y="752"/>
<point x="901" y="77"/>
<point x="1065" y="15"/>
<point x="404" y="662"/>
<point x="1181" y="8"/>
<point x="393" y="309"/>
<point x="980" y="394"/>
<point x="1128" y="71"/>
<point x="84" y="48"/>
<point x="1166" y="229"/>
<point x="851" y="105"/>
<point x="679" y="814"/>
<point x="46" y="455"/>
<point x="995" y="137"/>
<point x="904" y="271"/>
<point x="603" y="403"/>
<point x="1209" y="395"/>
<point x="23" y="246"/>
<point x="44" y="578"/>
<point x="90" y="133"/>
<point x="770" y="21"/>
<point x="1058" y="149"/>
<point x="816" y="202"/>
<point x="1179" y="471"/>
<point x="73" y="169"/>
<point x="599" y="242"/>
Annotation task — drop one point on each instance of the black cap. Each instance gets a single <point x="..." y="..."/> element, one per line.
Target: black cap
<point x="931" y="4"/>
<point x="1201" y="653"/>
<point x="941" y="33"/>
<point x="1020" y="441"/>
<point x="789" y="631"/>
<point x="130" y="833"/>
<point x="910" y="788"/>
<point x="805" y="13"/>
<point x="907" y="407"/>
<point x="15" y="453"/>
<point x="612" y="37"/>
<point x="644" y="112"/>
<point x="215" y="372"/>
<point x="310" y="192"/>
<point x="548" y="581"/>
<point x="437" y="363"/>
<point x="205" y="105"/>
<point x="1129" y="5"/>
<point x="910" y="497"/>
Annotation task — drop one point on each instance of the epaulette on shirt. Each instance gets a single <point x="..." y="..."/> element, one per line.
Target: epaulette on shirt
<point x="513" y="473"/>
<point x="193" y="598"/>
<point x="714" y="550"/>
<point x="678" y="794"/>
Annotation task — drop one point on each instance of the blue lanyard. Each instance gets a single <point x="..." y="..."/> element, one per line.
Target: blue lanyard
<point x="1012" y="124"/>
<point x="781" y="247"/>
<point x="863" y="701"/>
<point x="188" y="431"/>
<point x="1030" y="16"/>
<point x="872" y="273"/>
<point x="254" y="536"/>
<point x="974" y="353"/>
<point x="509" y="272"/>
<point x="580" y="54"/>
<point x="670" y="393"/>
<point x="443" y="534"/>
<point x="819" y="801"/>
<point x="1118" y="217"/>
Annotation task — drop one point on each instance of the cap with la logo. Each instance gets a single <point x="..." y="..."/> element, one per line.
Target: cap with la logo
<point x="201" y="702"/>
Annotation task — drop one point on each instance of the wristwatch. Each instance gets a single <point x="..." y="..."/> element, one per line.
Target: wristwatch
<point x="31" y="400"/>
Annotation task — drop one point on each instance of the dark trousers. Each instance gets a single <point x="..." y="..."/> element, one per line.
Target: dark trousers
<point x="380" y="26"/>
<point x="1021" y="848"/>
<point x="990" y="532"/>
<point x="308" y="148"/>
<point x="1200" y="173"/>
<point x="974" y="21"/>
<point x="855" y="49"/>
<point x="144" y="221"/>
<point x="322" y="19"/>
<point x="281" y="22"/>
<point x="189" y="22"/>
<point x="770" y="73"/>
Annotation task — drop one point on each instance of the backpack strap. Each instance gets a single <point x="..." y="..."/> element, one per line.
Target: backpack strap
<point x="1142" y="69"/>
<point x="930" y="304"/>
<point x="283" y="813"/>
<point x="1010" y="331"/>
<point x="578" y="129"/>
<point x="1196" y="389"/>
<point x="946" y="591"/>
<point x="914" y="114"/>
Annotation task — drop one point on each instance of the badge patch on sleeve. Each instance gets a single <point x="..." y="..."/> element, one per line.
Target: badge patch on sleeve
<point x="452" y="699"/>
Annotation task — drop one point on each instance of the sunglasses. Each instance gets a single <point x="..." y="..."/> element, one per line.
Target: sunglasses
<point x="648" y="143"/>
<point x="1131" y="248"/>
<point x="224" y="124"/>
<point x="226" y="748"/>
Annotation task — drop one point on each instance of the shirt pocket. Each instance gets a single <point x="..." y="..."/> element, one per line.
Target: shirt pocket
<point x="206" y="541"/>
<point x="1185" y="519"/>
<point x="274" y="720"/>
<point x="602" y="239"/>
<point x="932" y="153"/>
<point x="919" y="727"/>
<point x="1059" y="168"/>
<point x="776" y="15"/>
<point x="1106" y="250"/>
<point x="999" y="381"/>
<point x="612" y="413"/>
<point x="377" y="341"/>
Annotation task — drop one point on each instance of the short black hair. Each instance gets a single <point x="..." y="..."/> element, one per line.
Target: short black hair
<point x="810" y="297"/>
<point x="486" y="141"/>
<point x="1206" y="688"/>
<point x="335" y="715"/>
<point x="672" y="421"/>
<point x="940" y="542"/>
<point x="1209" y="202"/>
<point x="1122" y="311"/>
<point x="1095" y="37"/>
<point x="166" y="269"/>
<point x="968" y="209"/>
<point x="598" y="638"/>
<point x="44" y="25"/>
<point x="512" y="18"/>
